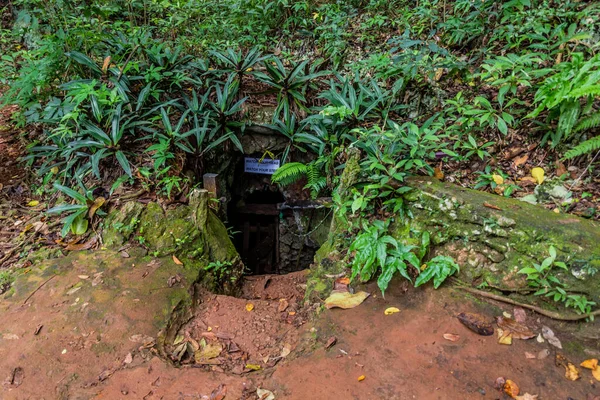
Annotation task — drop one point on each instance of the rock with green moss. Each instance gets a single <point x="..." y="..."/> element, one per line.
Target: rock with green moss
<point x="120" y="224"/>
<point x="493" y="237"/>
<point x="164" y="232"/>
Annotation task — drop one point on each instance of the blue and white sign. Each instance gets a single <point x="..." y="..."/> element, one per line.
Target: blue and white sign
<point x="266" y="167"/>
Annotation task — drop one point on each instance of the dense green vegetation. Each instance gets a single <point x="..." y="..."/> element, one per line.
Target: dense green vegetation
<point x="139" y="92"/>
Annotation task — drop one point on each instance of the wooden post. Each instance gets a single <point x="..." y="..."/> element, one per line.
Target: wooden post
<point x="210" y="184"/>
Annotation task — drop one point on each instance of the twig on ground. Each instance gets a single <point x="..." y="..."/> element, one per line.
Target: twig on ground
<point x="38" y="288"/>
<point x="539" y="310"/>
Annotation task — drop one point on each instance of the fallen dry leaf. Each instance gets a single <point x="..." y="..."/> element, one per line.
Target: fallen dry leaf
<point x="596" y="373"/>
<point x="287" y="349"/>
<point x="391" y="310"/>
<point x="549" y="336"/>
<point x="590" y="364"/>
<point x="330" y="342"/>
<point x="530" y="356"/>
<point x="451" y="337"/>
<point x="345" y="300"/>
<point x="511" y="388"/>
<point x="504" y="337"/>
<point x="560" y="169"/>
<point x="264" y="394"/>
<point x="219" y="393"/>
<point x="82" y="246"/>
<point x="249" y="307"/>
<point x="538" y="175"/>
<point x="527" y="181"/>
<point x="477" y="323"/>
<point x="571" y="372"/>
<point x="283" y="305"/>
<point x="438" y="173"/>
<point x="515" y="329"/>
<point x="33" y="203"/>
<point x="207" y="353"/>
<point x="176" y="260"/>
<point x="527" y="396"/>
<point x="520" y="315"/>
<point x="342" y="284"/>
<point x="361" y="378"/>
<point x="498" y="179"/>
<point x="492" y="206"/>
<point x="253" y="367"/>
<point x="518" y="161"/>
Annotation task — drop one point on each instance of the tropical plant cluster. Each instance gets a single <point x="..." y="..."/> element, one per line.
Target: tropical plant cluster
<point x="143" y="92"/>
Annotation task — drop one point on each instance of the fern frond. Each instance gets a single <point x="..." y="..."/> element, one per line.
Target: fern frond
<point x="316" y="181"/>
<point x="584" y="148"/>
<point x="584" y="91"/>
<point x="289" y="173"/>
<point x="589" y="122"/>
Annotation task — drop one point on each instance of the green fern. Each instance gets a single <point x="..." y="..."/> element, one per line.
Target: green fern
<point x="290" y="173"/>
<point x="316" y="181"/>
<point x="584" y="148"/>
<point x="589" y="122"/>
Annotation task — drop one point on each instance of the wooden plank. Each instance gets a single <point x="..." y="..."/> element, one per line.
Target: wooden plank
<point x="258" y="209"/>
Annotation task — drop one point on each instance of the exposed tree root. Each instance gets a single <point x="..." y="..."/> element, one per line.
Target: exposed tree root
<point x="539" y="310"/>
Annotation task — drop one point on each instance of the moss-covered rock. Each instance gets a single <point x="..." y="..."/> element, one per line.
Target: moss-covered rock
<point x="121" y="223"/>
<point x="493" y="243"/>
<point x="491" y="237"/>
<point x="165" y="232"/>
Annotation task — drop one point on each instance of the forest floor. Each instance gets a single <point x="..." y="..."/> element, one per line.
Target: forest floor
<point x="85" y="327"/>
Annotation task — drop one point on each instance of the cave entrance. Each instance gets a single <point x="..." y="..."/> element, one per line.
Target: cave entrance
<point x="253" y="214"/>
<point x="255" y="219"/>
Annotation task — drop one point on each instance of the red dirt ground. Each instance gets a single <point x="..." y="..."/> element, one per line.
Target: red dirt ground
<point x="402" y="356"/>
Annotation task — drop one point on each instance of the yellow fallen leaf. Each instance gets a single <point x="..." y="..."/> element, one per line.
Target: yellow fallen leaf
<point x="596" y="373"/>
<point x="391" y="310"/>
<point x="33" y="203"/>
<point x="361" y="378"/>
<point x="176" y="260"/>
<point x="538" y="174"/>
<point x="571" y="372"/>
<point x="345" y="300"/>
<point x="556" y="210"/>
<point x="504" y="337"/>
<point x="498" y="179"/>
<point x="249" y="307"/>
<point x="54" y="170"/>
<point x="253" y="367"/>
<point x="511" y="388"/>
<point x="589" y="364"/>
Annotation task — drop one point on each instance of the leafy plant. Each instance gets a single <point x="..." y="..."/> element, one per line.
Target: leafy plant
<point x="80" y="213"/>
<point x="376" y="251"/>
<point x="290" y="85"/>
<point x="439" y="269"/>
<point x="542" y="278"/>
